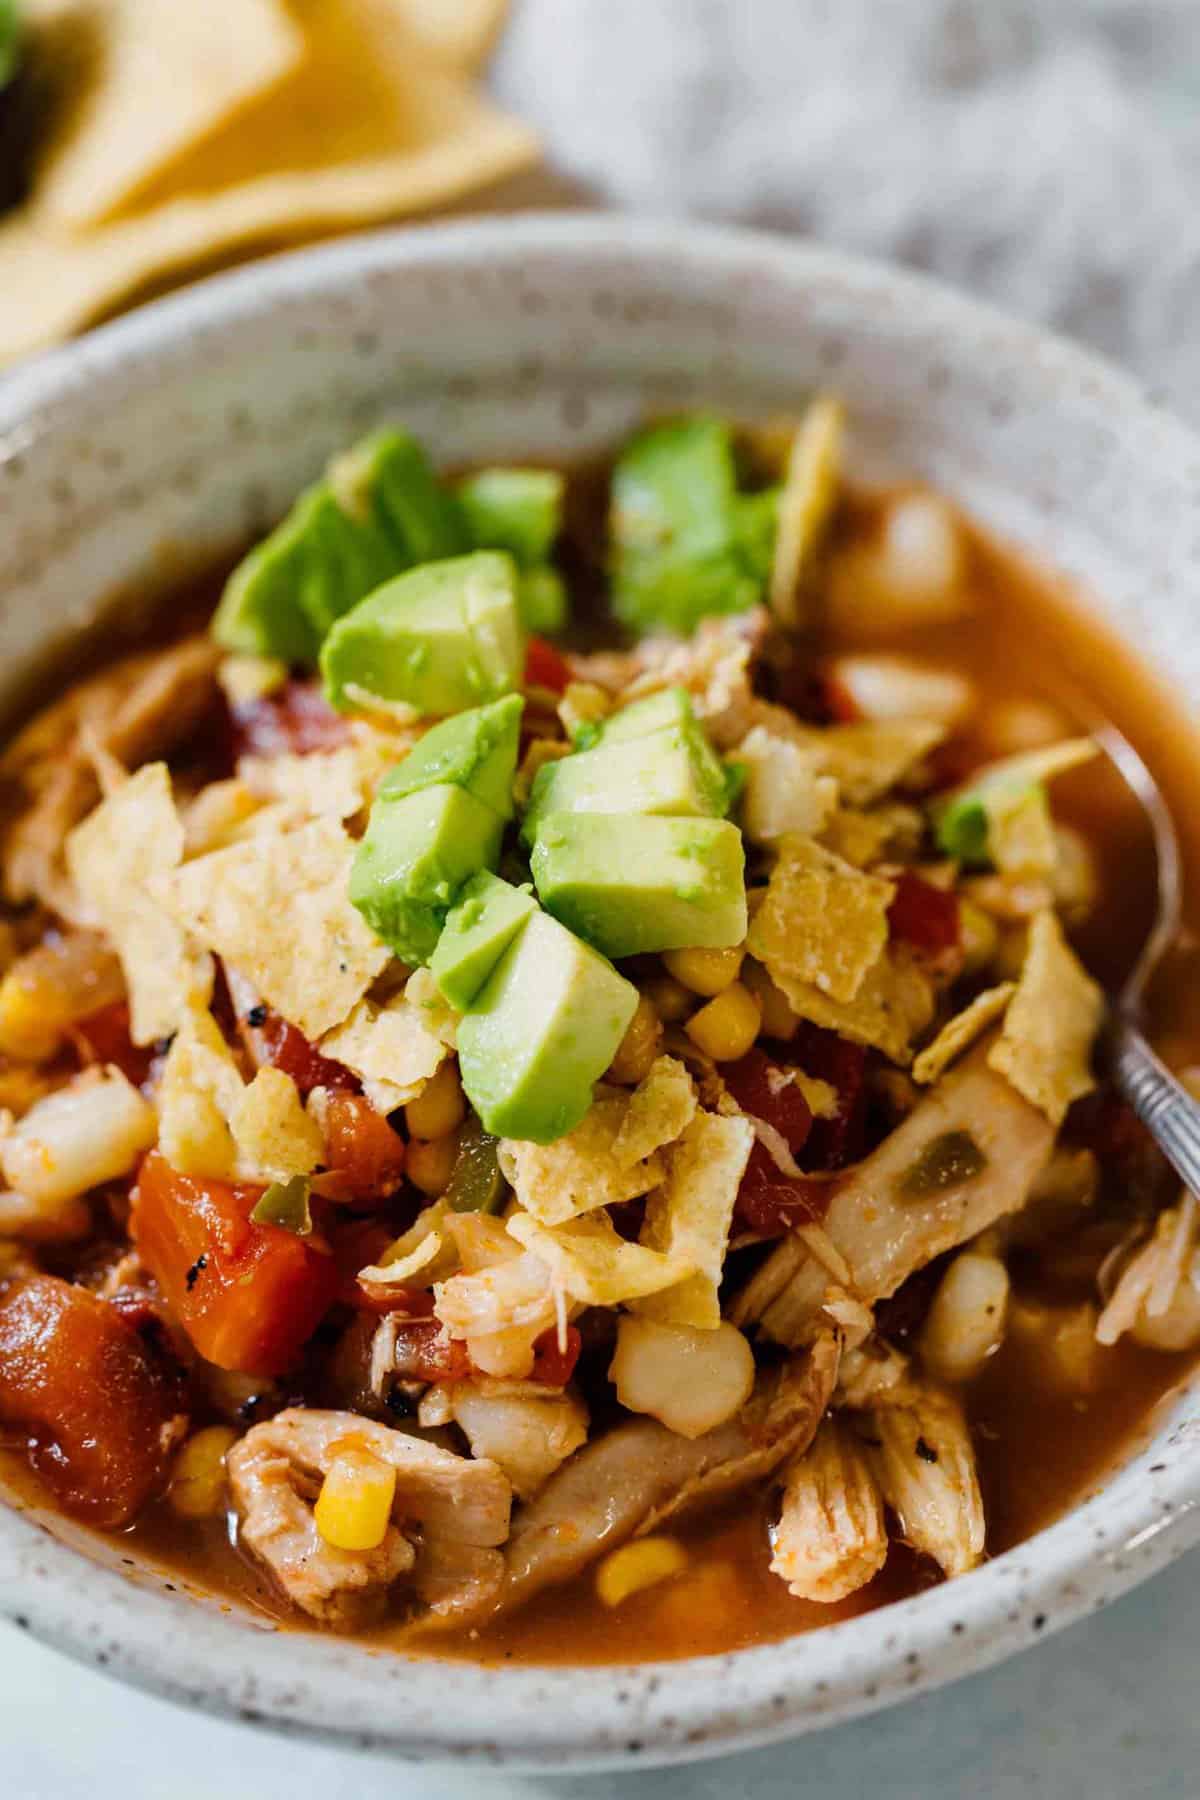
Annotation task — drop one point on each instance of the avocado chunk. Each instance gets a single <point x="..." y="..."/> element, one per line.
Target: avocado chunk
<point x="673" y="772"/>
<point x="541" y="1033"/>
<point x="518" y="510"/>
<point x="542" y="600"/>
<point x="476" y="750"/>
<point x="628" y="885"/>
<point x="479" y="927"/>
<point x="685" y="543"/>
<point x="670" y="706"/>
<point x="379" y="510"/>
<point x="440" y="638"/>
<point x="415" y="855"/>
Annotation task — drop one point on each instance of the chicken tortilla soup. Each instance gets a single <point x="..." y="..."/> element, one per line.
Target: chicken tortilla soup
<point x="549" y="1059"/>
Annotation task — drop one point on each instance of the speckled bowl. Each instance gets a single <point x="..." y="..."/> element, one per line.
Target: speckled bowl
<point x="195" y="421"/>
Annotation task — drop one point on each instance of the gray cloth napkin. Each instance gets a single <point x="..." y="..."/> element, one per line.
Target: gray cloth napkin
<point x="1044" y="153"/>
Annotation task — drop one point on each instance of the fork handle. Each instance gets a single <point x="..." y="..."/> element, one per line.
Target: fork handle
<point x="1160" y="1102"/>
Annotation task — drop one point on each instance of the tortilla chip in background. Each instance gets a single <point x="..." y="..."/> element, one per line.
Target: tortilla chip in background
<point x="153" y="77"/>
<point x="1045" y="1047"/>
<point x="369" y="127"/>
<point x="960" y="1031"/>
<point x="690" y="1218"/>
<point x="893" y="1006"/>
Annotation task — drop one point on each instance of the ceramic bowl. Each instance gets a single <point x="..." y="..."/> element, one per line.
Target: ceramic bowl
<point x="194" y="422"/>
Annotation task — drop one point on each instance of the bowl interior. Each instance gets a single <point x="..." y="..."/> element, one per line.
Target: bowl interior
<point x="159" y="442"/>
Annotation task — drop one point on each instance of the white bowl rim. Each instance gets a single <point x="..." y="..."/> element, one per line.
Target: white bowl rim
<point x="578" y="1717"/>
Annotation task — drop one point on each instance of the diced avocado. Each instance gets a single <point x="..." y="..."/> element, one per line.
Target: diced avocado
<point x="672" y="772"/>
<point x="476" y="750"/>
<point x="685" y="543"/>
<point x="440" y="638"/>
<point x="962" y="829"/>
<point x="518" y="510"/>
<point x="629" y="884"/>
<point x="670" y="706"/>
<point x="416" y="854"/>
<point x="542" y="600"/>
<point x="541" y="1033"/>
<point x="379" y="510"/>
<point x="479" y="927"/>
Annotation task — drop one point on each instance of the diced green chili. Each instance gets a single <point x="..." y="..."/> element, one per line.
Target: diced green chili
<point x="476" y="1184"/>
<point x="946" y="1162"/>
<point x="285" y="1203"/>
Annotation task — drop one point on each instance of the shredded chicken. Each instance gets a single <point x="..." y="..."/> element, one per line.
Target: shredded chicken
<point x="526" y="1429"/>
<point x="884" y="1230"/>
<point x="920" y="1451"/>
<point x="831" y="1537"/>
<point x="639" y="1475"/>
<point x="449" y="1517"/>
<point x="1157" y="1295"/>
<point x="140" y="708"/>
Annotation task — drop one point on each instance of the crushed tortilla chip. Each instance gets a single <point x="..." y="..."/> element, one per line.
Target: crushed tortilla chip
<point x="806" y="504"/>
<point x="540" y="751"/>
<point x="322" y="784"/>
<point x="391" y="1048"/>
<point x="822" y="923"/>
<point x="1044" y="1049"/>
<point x="594" y="1263"/>
<point x="151" y="79"/>
<point x="217" y="816"/>
<point x="273" y="1134"/>
<point x="582" y="703"/>
<point x="690" y="1217"/>
<point x="440" y="1017"/>
<point x="893" y="1006"/>
<point x="873" y="755"/>
<point x="397" y="1271"/>
<point x="131" y="838"/>
<point x="660" y="1109"/>
<point x="581" y="1171"/>
<point x="196" y="1097"/>
<point x="962" y="1030"/>
<point x="821" y="1097"/>
<point x="243" y="678"/>
<point x="785" y="788"/>
<point x="862" y="838"/>
<point x="276" y="909"/>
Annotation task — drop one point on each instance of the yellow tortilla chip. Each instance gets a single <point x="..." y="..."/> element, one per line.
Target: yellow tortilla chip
<point x="461" y="32"/>
<point x="962" y="1030"/>
<point x="689" y="1218"/>
<point x="893" y="1006"/>
<point x="1045" y="1047"/>
<point x="398" y="1270"/>
<point x="273" y="1135"/>
<point x="323" y="784"/>
<point x="276" y="909"/>
<point x="391" y="1047"/>
<point x="440" y="1018"/>
<point x="660" y="1109"/>
<point x="153" y="78"/>
<point x="369" y="127"/>
<point x="217" y="815"/>
<point x="593" y="1263"/>
<point x="806" y="504"/>
<point x="863" y="838"/>
<point x="868" y="758"/>
<point x="581" y="1171"/>
<point x="130" y="838"/>
<point x="199" y="1091"/>
<point x="785" y="788"/>
<point x="822" y="923"/>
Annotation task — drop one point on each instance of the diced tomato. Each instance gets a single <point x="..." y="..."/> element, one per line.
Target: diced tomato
<point x="96" y="1399"/>
<point x="761" y="1086"/>
<point x="843" y="1065"/>
<point x="295" y="720"/>
<point x="365" y="1156"/>
<point x="544" y="667"/>
<point x="771" y="1203"/>
<point x="925" y="916"/>
<point x="249" y="1296"/>
<point x="105" y="1036"/>
<point x="425" y="1351"/>
<point x="553" y="1366"/>
<point x="288" y="1049"/>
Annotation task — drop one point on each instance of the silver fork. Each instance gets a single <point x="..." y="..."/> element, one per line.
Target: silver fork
<point x="1164" y="1106"/>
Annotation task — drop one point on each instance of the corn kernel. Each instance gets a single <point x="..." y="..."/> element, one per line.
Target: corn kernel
<point x="980" y="938"/>
<point x="429" y="1164"/>
<point x="640" y="1565"/>
<point x="197" y="1488"/>
<point x="778" y="1019"/>
<point x="30" y="1029"/>
<point x="705" y="971"/>
<point x="727" y="1027"/>
<point x="638" y="1048"/>
<point x="670" y="999"/>
<point x="439" y="1108"/>
<point x="354" y="1507"/>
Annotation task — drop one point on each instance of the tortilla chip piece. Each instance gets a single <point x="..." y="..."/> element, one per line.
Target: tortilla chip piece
<point x="690" y="1217"/>
<point x="1044" y="1049"/>
<point x="274" y="1136"/>
<point x="581" y="1171"/>
<point x="368" y="127"/>
<point x="821" y="1097"/>
<point x="154" y="78"/>
<point x="440" y="1018"/>
<point x="392" y="1048"/>
<point x="962" y="1030"/>
<point x="893" y="1006"/>
<point x="863" y="838"/>
<point x="807" y="502"/>
<point x="660" y="1109"/>
<point x="276" y="909"/>
<point x="869" y="758"/>
<point x="130" y="838"/>
<point x="460" y="32"/>
<point x="822" y="921"/>
<point x="198" y="1094"/>
<point x="593" y="1263"/>
<point x="323" y="784"/>
<point x="785" y="787"/>
<point x="399" y="1271"/>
